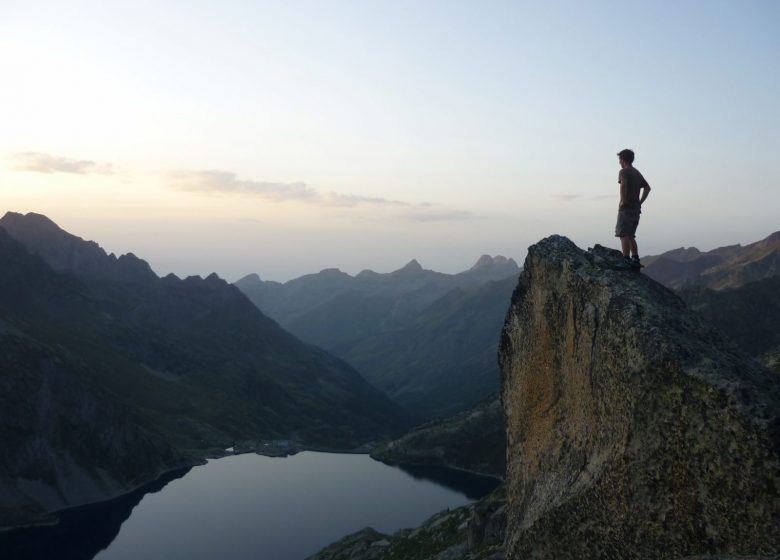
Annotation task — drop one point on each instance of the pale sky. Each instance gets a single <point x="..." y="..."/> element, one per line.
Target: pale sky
<point x="286" y="137"/>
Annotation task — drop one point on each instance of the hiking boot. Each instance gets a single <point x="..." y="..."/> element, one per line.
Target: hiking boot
<point x="624" y="264"/>
<point x="635" y="262"/>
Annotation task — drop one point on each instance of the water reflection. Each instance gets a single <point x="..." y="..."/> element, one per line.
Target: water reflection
<point x="473" y="486"/>
<point x="82" y="532"/>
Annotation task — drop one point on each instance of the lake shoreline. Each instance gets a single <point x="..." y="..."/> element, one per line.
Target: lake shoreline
<point x="52" y="518"/>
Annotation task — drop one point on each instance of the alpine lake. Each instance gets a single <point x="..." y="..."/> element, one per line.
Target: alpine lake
<point x="251" y="506"/>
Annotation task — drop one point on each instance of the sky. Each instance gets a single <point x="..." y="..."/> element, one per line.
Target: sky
<point x="281" y="138"/>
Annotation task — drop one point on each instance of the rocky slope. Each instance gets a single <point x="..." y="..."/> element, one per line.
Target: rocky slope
<point x="724" y="267"/>
<point x="634" y="429"/>
<point x="473" y="532"/>
<point x="109" y="378"/>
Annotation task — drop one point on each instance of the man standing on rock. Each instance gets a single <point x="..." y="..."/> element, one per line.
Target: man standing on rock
<point x="631" y="182"/>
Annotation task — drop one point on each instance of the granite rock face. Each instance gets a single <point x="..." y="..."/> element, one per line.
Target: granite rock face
<point x="634" y="429"/>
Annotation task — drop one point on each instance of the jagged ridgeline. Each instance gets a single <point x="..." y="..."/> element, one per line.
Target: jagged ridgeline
<point x="732" y="266"/>
<point x="110" y="375"/>
<point x="634" y="429"/>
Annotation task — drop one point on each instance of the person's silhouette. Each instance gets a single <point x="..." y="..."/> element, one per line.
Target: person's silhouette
<point x="630" y="207"/>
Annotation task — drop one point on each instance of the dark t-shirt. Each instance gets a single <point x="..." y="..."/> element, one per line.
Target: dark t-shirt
<point x="635" y="183"/>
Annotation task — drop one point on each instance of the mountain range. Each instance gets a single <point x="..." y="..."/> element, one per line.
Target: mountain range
<point x="111" y="375"/>
<point x="725" y="267"/>
<point x="425" y="338"/>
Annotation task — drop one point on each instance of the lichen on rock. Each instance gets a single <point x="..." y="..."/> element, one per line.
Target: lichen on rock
<point x="634" y="429"/>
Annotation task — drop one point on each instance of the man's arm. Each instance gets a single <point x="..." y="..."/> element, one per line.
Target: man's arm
<point x="645" y="192"/>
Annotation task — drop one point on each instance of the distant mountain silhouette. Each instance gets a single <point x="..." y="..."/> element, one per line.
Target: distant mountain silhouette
<point x="725" y="267"/>
<point x="426" y="338"/>
<point x="112" y="375"/>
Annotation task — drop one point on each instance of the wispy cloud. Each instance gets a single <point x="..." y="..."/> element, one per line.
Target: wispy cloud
<point x="225" y="182"/>
<point x="348" y="200"/>
<point x="45" y="163"/>
<point x="228" y="183"/>
<point x="568" y="197"/>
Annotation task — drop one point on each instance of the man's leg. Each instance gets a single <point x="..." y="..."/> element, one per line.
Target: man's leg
<point x="625" y="245"/>
<point x="634" y="248"/>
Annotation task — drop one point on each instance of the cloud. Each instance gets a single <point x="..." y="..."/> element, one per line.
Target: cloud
<point x="225" y="182"/>
<point x="567" y="197"/>
<point x="46" y="163"/>
<point x="228" y="183"/>
<point x="336" y="199"/>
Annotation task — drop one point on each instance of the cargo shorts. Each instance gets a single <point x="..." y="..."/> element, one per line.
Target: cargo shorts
<point x="627" y="221"/>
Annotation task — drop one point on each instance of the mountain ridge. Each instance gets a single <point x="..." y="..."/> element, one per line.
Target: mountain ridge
<point x="724" y="267"/>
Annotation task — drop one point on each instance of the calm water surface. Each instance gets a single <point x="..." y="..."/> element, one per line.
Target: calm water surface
<point x="252" y="507"/>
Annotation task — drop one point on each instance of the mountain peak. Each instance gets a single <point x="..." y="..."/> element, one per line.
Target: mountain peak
<point x="65" y="252"/>
<point x="29" y="220"/>
<point x="486" y="261"/>
<point x="411" y="266"/>
<point x="333" y="273"/>
<point x="483" y="261"/>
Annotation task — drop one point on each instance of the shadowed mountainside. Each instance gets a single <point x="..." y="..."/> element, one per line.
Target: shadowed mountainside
<point x="442" y="361"/>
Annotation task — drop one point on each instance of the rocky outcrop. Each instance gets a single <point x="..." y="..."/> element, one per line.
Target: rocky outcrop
<point x="634" y="429"/>
<point x="472" y="532"/>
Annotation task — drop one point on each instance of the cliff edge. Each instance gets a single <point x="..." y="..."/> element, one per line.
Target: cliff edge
<point x="634" y="429"/>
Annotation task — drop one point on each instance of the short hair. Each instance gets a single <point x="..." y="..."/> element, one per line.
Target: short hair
<point x="627" y="155"/>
